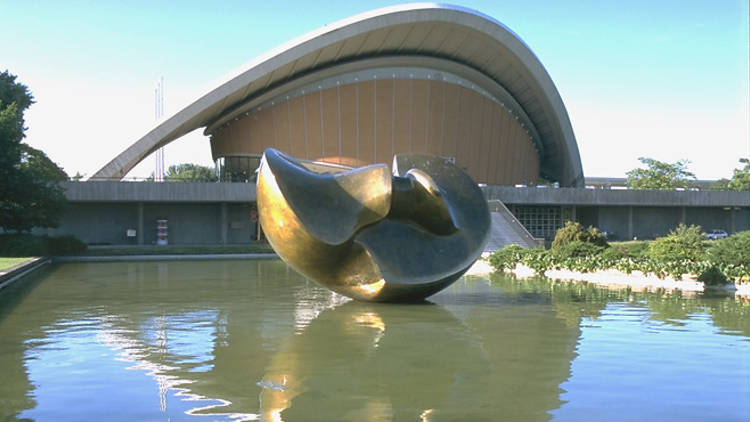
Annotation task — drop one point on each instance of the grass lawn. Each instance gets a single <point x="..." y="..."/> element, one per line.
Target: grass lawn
<point x="9" y="262"/>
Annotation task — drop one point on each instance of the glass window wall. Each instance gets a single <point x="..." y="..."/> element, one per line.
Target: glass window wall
<point x="540" y="221"/>
<point x="238" y="168"/>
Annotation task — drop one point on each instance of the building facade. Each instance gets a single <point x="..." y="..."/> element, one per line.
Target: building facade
<point x="420" y="78"/>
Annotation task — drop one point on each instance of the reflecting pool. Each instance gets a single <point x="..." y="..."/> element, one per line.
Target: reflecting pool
<point x="252" y="340"/>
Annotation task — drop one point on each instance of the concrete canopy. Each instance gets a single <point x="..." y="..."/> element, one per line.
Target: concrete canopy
<point x="441" y="33"/>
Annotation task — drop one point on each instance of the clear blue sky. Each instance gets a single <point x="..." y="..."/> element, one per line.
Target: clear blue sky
<point x="666" y="79"/>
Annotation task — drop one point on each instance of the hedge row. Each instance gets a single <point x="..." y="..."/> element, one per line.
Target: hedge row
<point x="683" y="251"/>
<point x="29" y="245"/>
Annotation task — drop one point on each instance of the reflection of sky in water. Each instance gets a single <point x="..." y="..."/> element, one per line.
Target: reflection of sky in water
<point x="626" y="359"/>
<point x="310" y="302"/>
<point x="137" y="370"/>
<point x="187" y="339"/>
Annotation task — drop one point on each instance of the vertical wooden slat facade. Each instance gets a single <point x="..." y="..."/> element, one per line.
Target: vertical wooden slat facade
<point x="384" y="121"/>
<point x="368" y="121"/>
<point x="366" y="113"/>
<point x="330" y="125"/>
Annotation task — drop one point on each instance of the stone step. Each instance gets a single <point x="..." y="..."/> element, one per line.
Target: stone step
<point x="506" y="229"/>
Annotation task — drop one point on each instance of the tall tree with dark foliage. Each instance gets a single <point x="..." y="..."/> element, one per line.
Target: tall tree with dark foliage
<point x="30" y="195"/>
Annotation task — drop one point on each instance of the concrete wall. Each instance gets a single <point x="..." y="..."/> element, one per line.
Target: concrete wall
<point x="610" y="197"/>
<point x="240" y="229"/>
<point x="99" y="223"/>
<point x="187" y="223"/>
<point x="219" y="213"/>
<point x="651" y="222"/>
<point x="613" y="220"/>
<point x="106" y="223"/>
<point x="105" y="191"/>
<point x="626" y="214"/>
<point x="732" y="220"/>
<point x="197" y="213"/>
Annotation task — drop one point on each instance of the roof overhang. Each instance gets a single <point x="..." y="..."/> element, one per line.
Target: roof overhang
<point x="444" y="34"/>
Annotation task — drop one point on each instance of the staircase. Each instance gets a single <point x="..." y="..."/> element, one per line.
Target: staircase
<point x="506" y="229"/>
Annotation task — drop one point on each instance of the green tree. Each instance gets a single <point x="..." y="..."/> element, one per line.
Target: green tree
<point x="30" y="195"/>
<point x="190" y="173"/>
<point x="659" y="175"/>
<point x="14" y="99"/>
<point x="740" y="180"/>
<point x="732" y="254"/>
<point x="38" y="165"/>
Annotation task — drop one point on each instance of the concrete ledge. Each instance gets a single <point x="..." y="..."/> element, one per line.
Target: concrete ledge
<point x="186" y="257"/>
<point x="616" y="197"/>
<point x="14" y="273"/>
<point x="159" y="192"/>
<point x="245" y="193"/>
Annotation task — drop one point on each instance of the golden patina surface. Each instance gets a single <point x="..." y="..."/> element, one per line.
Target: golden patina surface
<point x="371" y="235"/>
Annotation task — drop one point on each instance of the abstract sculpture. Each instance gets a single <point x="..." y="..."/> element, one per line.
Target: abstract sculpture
<point x="369" y="235"/>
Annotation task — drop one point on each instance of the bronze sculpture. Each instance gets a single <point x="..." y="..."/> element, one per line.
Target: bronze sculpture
<point x="371" y="235"/>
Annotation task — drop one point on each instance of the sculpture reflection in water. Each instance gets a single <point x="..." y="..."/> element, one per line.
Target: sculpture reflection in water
<point x="371" y="235"/>
<point x="419" y="363"/>
<point x="379" y="358"/>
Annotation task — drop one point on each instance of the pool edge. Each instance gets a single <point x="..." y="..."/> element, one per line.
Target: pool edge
<point x="18" y="271"/>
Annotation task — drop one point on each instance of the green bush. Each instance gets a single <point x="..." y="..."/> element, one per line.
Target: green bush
<point x="630" y="249"/>
<point x="613" y="254"/>
<point x="713" y="276"/>
<point x="22" y="245"/>
<point x="682" y="243"/>
<point x="576" y="249"/>
<point x="30" y="245"/>
<point x="573" y="231"/>
<point x="507" y="257"/>
<point x="65" y="245"/>
<point x="732" y="255"/>
<point x="539" y="260"/>
<point x="683" y="251"/>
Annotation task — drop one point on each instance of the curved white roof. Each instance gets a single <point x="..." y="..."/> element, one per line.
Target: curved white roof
<point x="449" y="33"/>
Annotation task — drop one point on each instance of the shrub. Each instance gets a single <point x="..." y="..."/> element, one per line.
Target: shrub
<point x="713" y="276"/>
<point x="681" y="252"/>
<point x="22" y="245"/>
<point x="732" y="255"/>
<point x="631" y="249"/>
<point x="507" y="257"/>
<point x="573" y="231"/>
<point x="682" y="243"/>
<point x="65" y="245"/>
<point x="29" y="245"/>
<point x="539" y="260"/>
<point x="576" y="249"/>
<point x="613" y="254"/>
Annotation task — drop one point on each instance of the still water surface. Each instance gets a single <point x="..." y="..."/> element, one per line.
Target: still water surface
<point x="252" y="340"/>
